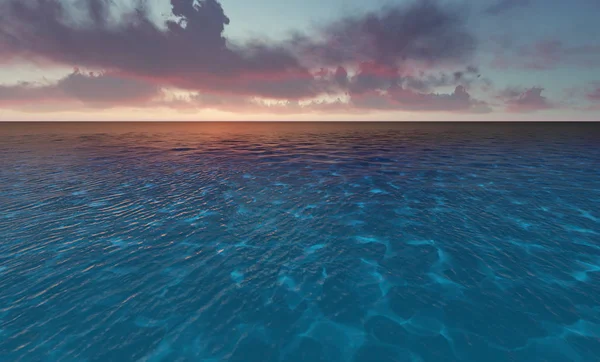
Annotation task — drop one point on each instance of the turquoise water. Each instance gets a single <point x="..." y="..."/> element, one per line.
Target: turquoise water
<point x="304" y="242"/>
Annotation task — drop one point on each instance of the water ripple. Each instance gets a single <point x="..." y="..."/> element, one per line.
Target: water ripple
<point x="295" y="243"/>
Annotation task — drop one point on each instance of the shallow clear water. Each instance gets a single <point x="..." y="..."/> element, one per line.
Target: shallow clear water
<point x="274" y="242"/>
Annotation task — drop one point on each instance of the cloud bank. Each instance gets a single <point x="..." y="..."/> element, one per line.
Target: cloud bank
<point x="416" y="57"/>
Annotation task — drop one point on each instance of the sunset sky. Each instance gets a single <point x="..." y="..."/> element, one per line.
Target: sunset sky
<point x="299" y="60"/>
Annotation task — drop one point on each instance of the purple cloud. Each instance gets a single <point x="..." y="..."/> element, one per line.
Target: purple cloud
<point x="190" y="52"/>
<point x="424" y="31"/>
<point x="103" y="90"/>
<point x="547" y="54"/>
<point x="594" y="95"/>
<point x="108" y="90"/>
<point x="529" y="100"/>
<point x="398" y="98"/>
<point x="502" y="6"/>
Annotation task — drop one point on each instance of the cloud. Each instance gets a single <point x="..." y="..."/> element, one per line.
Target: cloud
<point x="424" y="31"/>
<point x="551" y="53"/>
<point x="528" y="100"/>
<point x="502" y="6"/>
<point x="594" y="95"/>
<point x="106" y="89"/>
<point x="398" y="98"/>
<point x="394" y="99"/>
<point x="424" y="82"/>
<point x="586" y="97"/>
<point x="189" y="51"/>
<point x="377" y="61"/>
<point x="546" y="54"/>
<point x="85" y="91"/>
<point x="91" y="90"/>
<point x="371" y="76"/>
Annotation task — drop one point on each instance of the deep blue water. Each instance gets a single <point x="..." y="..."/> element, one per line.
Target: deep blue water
<point x="304" y="242"/>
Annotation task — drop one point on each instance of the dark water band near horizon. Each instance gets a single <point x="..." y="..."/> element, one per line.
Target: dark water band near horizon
<point x="259" y="242"/>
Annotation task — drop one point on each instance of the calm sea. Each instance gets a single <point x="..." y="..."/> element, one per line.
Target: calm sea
<point x="259" y="242"/>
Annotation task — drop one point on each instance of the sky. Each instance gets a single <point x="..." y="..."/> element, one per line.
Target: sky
<point x="394" y="60"/>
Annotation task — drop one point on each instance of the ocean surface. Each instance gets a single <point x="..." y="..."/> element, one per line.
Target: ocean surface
<point x="300" y="242"/>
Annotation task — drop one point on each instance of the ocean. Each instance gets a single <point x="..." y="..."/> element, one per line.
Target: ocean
<point x="259" y="242"/>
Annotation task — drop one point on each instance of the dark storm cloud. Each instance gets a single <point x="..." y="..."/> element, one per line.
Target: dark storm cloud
<point x="501" y="6"/>
<point x="191" y="52"/>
